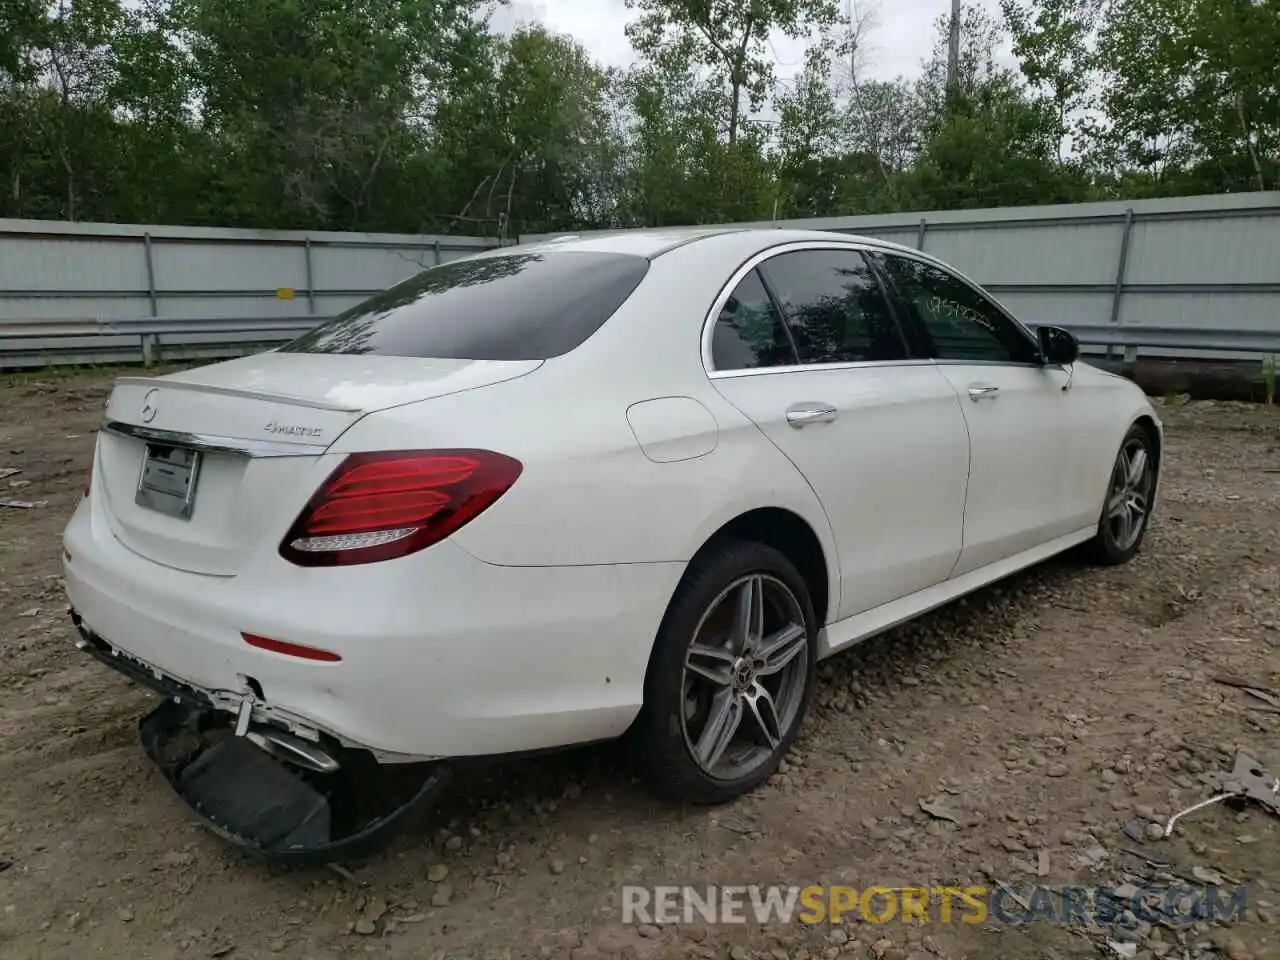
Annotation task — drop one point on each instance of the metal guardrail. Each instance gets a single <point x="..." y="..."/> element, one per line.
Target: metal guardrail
<point x="151" y="326"/>
<point x="33" y="344"/>
<point x="26" y="344"/>
<point x="1195" y="339"/>
<point x="1118" y="273"/>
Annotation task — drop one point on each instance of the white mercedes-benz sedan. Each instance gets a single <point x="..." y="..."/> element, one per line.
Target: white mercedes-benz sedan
<point x="561" y="492"/>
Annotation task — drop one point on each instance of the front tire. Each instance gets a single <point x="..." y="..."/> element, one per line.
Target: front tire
<point x="731" y="676"/>
<point x="1126" y="511"/>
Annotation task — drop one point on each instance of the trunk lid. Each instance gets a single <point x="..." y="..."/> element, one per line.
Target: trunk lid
<point x="194" y="469"/>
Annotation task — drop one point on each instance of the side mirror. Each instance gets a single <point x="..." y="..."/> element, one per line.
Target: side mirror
<point x="1058" y="347"/>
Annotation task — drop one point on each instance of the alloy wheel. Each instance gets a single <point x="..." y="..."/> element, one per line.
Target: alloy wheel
<point x="1129" y="498"/>
<point x="744" y="677"/>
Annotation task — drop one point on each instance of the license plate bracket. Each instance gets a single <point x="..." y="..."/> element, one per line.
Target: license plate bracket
<point x="167" y="483"/>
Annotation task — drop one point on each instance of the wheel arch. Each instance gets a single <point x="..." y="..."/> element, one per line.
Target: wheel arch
<point x="782" y="529"/>
<point x="1155" y="434"/>
<point x="791" y="535"/>
<point x="1148" y="423"/>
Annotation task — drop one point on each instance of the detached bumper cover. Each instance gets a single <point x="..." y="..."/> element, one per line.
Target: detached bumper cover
<point x="349" y="808"/>
<point x="270" y="808"/>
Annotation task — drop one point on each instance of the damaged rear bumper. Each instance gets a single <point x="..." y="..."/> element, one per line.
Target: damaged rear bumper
<point x="272" y="807"/>
<point x="258" y="784"/>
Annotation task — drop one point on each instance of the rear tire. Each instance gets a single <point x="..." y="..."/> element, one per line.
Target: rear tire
<point x="1126" y="511"/>
<point x="731" y="675"/>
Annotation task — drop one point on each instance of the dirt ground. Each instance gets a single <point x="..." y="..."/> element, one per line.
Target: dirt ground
<point x="1046" y="714"/>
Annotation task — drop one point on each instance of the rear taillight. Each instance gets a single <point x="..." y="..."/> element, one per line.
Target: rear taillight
<point x="377" y="506"/>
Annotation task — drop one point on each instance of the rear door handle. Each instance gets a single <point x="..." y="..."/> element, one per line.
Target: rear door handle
<point x="983" y="392"/>
<point x="802" y="414"/>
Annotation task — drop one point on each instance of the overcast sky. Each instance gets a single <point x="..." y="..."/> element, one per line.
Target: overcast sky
<point x="901" y="38"/>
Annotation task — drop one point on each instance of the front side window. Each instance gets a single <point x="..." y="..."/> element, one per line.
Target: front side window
<point x="749" y="333"/>
<point x="834" y="307"/>
<point x="960" y="323"/>
<point x="527" y="306"/>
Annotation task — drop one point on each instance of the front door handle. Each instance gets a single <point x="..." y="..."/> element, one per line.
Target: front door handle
<point x="802" y="414"/>
<point x="983" y="392"/>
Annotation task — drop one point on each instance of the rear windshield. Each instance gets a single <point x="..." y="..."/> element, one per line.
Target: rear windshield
<point x="528" y="306"/>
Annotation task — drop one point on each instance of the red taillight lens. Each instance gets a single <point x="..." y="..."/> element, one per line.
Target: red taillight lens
<point x="377" y="506"/>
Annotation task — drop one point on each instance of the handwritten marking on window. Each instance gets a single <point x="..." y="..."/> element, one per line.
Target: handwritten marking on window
<point x="957" y="313"/>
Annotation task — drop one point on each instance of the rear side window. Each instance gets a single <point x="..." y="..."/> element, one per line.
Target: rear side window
<point x="749" y="332"/>
<point x="527" y="306"/>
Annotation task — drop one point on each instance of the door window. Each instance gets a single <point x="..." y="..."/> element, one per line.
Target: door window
<point x="834" y="307"/>
<point x="960" y="323"/>
<point x="749" y="332"/>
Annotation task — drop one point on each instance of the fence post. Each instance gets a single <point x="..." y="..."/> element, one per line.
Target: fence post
<point x="920" y="234"/>
<point x="1130" y="353"/>
<point x="150" y="342"/>
<point x="311" y="285"/>
<point x="436" y="246"/>
<point x="151" y="274"/>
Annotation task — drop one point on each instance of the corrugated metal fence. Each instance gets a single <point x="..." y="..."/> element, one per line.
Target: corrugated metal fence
<point x="1179" y="277"/>
<point x="1185" y="277"/>
<point x="91" y="292"/>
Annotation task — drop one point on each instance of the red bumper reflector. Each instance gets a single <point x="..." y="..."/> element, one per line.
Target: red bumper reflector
<point x="290" y="649"/>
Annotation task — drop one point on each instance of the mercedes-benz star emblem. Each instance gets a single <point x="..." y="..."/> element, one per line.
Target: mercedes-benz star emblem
<point x="150" y="406"/>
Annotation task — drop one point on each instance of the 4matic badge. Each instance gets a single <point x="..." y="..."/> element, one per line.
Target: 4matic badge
<point x="291" y="430"/>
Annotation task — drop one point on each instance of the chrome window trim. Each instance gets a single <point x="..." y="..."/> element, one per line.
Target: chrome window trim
<point x="793" y="246"/>
<point x="252" y="449"/>
<point x="1019" y="364"/>
<point x="814" y="367"/>
<point x="861" y="245"/>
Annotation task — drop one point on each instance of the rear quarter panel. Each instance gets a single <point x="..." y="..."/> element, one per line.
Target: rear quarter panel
<point x="588" y="494"/>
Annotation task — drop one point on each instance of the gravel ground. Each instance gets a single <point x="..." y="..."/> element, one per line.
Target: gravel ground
<point x="1045" y="714"/>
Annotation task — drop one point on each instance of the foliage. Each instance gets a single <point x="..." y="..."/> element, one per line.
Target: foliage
<point x="730" y="38"/>
<point x="415" y="115"/>
<point x="1169" y="96"/>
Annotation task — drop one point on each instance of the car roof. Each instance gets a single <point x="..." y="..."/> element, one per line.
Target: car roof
<point x="655" y="242"/>
<point x="647" y="242"/>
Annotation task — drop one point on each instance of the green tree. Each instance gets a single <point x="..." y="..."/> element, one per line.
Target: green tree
<point x="993" y="143"/>
<point x="729" y="38"/>
<point x="808" y="139"/>
<point x="1188" y="96"/>
<point x="529" y="142"/>
<point x="310" y="99"/>
<point x="414" y="115"/>
<point x="21" y="24"/>
<point x="678" y="167"/>
<point x="1053" y="40"/>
